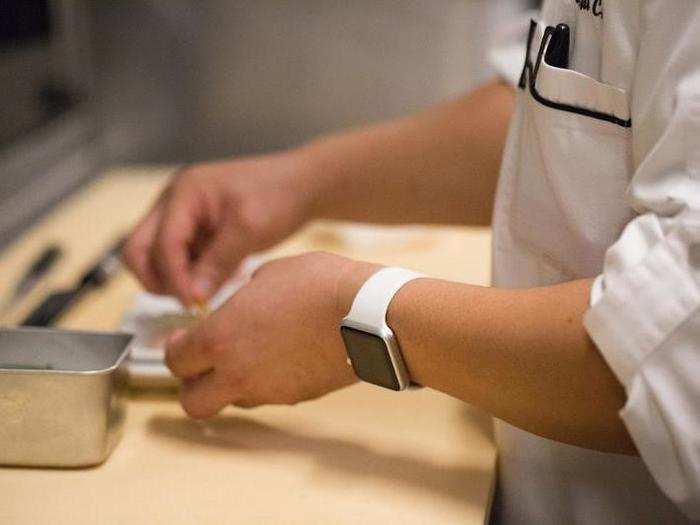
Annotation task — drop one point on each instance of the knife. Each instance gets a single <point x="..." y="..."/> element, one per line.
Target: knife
<point x="56" y="304"/>
<point x="37" y="270"/>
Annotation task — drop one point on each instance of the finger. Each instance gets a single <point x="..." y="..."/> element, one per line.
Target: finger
<point x="205" y="396"/>
<point x="136" y="250"/>
<point x="188" y="353"/>
<point x="217" y="262"/>
<point x="171" y="250"/>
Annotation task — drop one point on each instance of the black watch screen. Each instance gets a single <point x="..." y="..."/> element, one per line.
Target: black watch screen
<point x="369" y="357"/>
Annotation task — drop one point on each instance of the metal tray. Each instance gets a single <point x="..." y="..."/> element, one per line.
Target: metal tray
<point x="62" y="396"/>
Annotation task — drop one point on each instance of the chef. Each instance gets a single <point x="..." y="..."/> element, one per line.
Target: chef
<point x="587" y="347"/>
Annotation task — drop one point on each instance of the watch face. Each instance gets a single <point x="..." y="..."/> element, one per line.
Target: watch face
<point x="370" y="358"/>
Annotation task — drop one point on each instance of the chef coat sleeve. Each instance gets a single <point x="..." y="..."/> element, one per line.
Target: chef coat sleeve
<point x="645" y="307"/>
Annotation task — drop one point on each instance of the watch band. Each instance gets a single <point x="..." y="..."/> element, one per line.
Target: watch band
<point x="375" y="295"/>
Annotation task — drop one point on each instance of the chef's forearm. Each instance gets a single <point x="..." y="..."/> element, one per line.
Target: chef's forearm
<point x="522" y="355"/>
<point x="440" y="166"/>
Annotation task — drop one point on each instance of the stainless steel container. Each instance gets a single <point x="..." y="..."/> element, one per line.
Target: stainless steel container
<point x="62" y="396"/>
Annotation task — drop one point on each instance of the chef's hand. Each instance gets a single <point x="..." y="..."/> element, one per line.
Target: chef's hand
<point x="276" y="341"/>
<point x="210" y="217"/>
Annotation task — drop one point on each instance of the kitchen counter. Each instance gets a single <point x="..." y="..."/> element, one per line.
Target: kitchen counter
<point x="359" y="455"/>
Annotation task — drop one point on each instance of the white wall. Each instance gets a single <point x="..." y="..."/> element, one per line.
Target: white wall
<point x="187" y="80"/>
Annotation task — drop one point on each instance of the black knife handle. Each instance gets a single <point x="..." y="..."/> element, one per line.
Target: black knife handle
<point x="51" y="309"/>
<point x="37" y="270"/>
<point x="57" y="303"/>
<point x="47" y="258"/>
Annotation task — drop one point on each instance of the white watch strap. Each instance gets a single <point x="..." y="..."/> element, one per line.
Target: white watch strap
<point x="373" y="298"/>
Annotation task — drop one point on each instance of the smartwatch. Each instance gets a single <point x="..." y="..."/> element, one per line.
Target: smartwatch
<point x="373" y="351"/>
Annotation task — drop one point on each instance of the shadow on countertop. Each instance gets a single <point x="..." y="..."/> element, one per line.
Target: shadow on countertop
<point x="235" y="433"/>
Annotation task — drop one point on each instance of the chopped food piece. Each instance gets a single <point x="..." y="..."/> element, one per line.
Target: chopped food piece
<point x="201" y="309"/>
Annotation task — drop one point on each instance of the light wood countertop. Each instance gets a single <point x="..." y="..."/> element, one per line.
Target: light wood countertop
<point x="361" y="455"/>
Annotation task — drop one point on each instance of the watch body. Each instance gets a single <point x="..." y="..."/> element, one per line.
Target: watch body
<point x="373" y="350"/>
<point x="375" y="357"/>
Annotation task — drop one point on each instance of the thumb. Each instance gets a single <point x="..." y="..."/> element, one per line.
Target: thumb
<point x="217" y="262"/>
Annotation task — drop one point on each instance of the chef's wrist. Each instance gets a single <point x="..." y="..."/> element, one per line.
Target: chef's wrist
<point x="323" y="175"/>
<point x="301" y="180"/>
<point x="350" y="280"/>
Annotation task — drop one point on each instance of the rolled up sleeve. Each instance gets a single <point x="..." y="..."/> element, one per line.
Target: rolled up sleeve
<point x="645" y="307"/>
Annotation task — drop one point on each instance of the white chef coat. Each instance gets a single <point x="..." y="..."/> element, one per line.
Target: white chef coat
<point x="601" y="177"/>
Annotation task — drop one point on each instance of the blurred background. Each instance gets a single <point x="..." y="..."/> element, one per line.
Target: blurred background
<point x="89" y="85"/>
